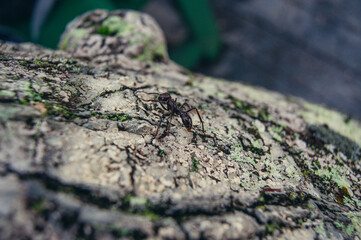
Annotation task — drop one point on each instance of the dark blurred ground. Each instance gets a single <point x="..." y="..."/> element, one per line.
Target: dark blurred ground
<point x="310" y="49"/>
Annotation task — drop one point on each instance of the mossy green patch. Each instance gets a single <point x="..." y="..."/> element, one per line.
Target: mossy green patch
<point x="259" y="125"/>
<point x="15" y="77"/>
<point x="114" y="228"/>
<point x="152" y="52"/>
<point x="262" y="95"/>
<point x="244" y="106"/>
<point x="276" y="132"/>
<point x="10" y="111"/>
<point x="6" y="94"/>
<point x="254" y="148"/>
<point x="256" y="144"/>
<point x="195" y="163"/>
<point x="114" y="25"/>
<point x="264" y="115"/>
<point x="272" y="226"/>
<point x="119" y="232"/>
<point x="104" y="31"/>
<point x="140" y="206"/>
<point x="250" y="109"/>
<point x="318" y="135"/>
<point x="71" y="89"/>
<point x="116" y="117"/>
<point x="278" y="129"/>
<point x="54" y="109"/>
<point x="237" y="154"/>
<point x="318" y="115"/>
<point x="276" y="137"/>
<point x="161" y="153"/>
<point x="248" y="153"/>
<point x="320" y="229"/>
<point x="38" y="205"/>
<point x="137" y="201"/>
<point x="352" y="202"/>
<point x="31" y="94"/>
<point x="42" y="64"/>
<point x="292" y="195"/>
<point x="69" y="42"/>
<point x="62" y="65"/>
<point x="354" y="227"/>
<point x="334" y="173"/>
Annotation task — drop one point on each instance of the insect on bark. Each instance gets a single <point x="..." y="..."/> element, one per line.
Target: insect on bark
<point x="169" y="104"/>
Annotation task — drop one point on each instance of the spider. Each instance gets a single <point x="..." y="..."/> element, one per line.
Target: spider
<point x="170" y="104"/>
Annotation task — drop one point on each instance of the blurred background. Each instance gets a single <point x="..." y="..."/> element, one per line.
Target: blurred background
<point x="310" y="49"/>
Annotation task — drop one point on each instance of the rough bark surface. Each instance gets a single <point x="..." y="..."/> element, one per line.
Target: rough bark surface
<point x="78" y="158"/>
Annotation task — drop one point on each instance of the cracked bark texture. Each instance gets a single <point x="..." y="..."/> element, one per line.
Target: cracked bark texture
<point x="78" y="158"/>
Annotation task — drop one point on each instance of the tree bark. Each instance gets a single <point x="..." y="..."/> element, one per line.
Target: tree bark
<point x="78" y="156"/>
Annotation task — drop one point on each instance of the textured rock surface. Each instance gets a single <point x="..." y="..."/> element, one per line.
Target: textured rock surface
<point x="78" y="160"/>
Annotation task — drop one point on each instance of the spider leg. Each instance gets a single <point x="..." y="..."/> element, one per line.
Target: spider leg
<point x="169" y="122"/>
<point x="171" y="115"/>
<point x="199" y="116"/>
<point x="149" y="100"/>
<point x="160" y="122"/>
<point x="163" y="106"/>
<point x="184" y="104"/>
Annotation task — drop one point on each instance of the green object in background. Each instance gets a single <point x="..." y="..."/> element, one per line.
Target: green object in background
<point x="130" y="4"/>
<point x="204" y="42"/>
<point x="64" y="12"/>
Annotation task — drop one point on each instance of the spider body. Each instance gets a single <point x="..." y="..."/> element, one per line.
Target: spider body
<point x="169" y="104"/>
